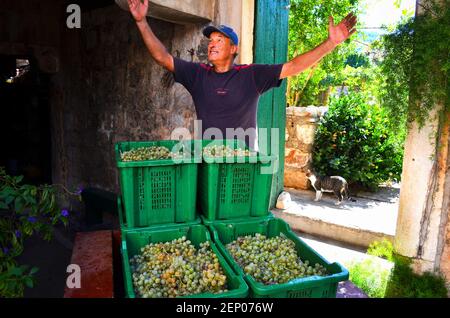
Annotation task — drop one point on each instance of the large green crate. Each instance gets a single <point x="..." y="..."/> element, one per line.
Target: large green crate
<point x="158" y="191"/>
<point x="134" y="240"/>
<point x="308" y="287"/>
<point x="231" y="188"/>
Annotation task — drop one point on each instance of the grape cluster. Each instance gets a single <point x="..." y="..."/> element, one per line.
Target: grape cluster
<point x="149" y="153"/>
<point x="225" y="151"/>
<point x="177" y="268"/>
<point x="271" y="260"/>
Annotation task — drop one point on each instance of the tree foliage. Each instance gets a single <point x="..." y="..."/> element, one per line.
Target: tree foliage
<point x="308" y="27"/>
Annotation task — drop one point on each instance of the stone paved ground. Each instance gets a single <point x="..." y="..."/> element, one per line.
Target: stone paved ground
<point x="376" y="212"/>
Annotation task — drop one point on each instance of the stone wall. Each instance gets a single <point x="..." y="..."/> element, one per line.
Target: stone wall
<point x="111" y="90"/>
<point x="105" y="87"/>
<point x="301" y="124"/>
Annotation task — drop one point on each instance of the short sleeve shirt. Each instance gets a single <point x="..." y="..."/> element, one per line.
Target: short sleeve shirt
<point x="230" y="99"/>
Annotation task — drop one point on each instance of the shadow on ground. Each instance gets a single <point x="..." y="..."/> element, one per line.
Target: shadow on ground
<point x="52" y="259"/>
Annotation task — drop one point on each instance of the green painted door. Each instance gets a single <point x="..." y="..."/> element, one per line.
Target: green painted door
<point x="270" y="47"/>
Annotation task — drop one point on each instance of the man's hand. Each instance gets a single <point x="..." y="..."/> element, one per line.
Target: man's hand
<point x="158" y="51"/>
<point x="337" y="34"/>
<point x="341" y="32"/>
<point x="138" y="9"/>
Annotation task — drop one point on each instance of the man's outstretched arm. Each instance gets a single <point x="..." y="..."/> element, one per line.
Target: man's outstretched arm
<point x="157" y="50"/>
<point x="337" y="34"/>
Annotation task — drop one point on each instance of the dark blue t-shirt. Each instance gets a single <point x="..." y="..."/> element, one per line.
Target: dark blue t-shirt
<point x="227" y="100"/>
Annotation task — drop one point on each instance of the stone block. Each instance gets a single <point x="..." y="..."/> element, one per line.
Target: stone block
<point x="296" y="163"/>
<point x="305" y="133"/>
<point x="295" y="178"/>
<point x="296" y="158"/>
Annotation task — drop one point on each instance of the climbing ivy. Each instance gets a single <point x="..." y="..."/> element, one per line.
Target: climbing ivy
<point x="415" y="65"/>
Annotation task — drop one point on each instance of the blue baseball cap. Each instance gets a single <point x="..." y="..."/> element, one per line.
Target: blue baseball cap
<point x="225" y="30"/>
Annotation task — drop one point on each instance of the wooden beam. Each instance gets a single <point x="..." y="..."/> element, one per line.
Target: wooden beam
<point x="271" y="41"/>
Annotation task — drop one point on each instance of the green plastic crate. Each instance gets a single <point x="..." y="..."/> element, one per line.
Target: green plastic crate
<point x="232" y="188"/>
<point x="158" y="191"/>
<point x="308" y="287"/>
<point x="124" y="226"/>
<point x="134" y="240"/>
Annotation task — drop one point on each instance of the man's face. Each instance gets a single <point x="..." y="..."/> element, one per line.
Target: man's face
<point x="220" y="48"/>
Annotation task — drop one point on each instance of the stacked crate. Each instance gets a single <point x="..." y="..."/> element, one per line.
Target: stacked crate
<point x="307" y="287"/>
<point x="158" y="204"/>
<point x="234" y="197"/>
<point x="234" y="187"/>
<point x="157" y="192"/>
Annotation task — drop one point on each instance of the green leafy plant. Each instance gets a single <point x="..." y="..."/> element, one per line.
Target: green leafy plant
<point x="14" y="280"/>
<point x="370" y="276"/>
<point x="383" y="249"/>
<point x="24" y="210"/>
<point x="353" y="141"/>
<point x="404" y="283"/>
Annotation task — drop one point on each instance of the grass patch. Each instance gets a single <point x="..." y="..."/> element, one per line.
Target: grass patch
<point x="400" y="282"/>
<point x="370" y="276"/>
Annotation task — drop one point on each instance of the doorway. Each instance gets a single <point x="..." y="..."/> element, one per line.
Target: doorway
<point x="25" y="133"/>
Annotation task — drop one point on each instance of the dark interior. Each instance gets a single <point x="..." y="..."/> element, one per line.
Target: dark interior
<point x="25" y="119"/>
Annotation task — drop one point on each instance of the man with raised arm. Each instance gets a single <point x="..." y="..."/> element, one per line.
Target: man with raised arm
<point x="226" y="95"/>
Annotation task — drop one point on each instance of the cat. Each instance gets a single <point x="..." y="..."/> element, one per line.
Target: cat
<point x="335" y="184"/>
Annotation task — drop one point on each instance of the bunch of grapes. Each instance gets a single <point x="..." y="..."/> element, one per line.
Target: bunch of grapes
<point x="150" y="153"/>
<point x="271" y="260"/>
<point x="177" y="268"/>
<point x="225" y="151"/>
